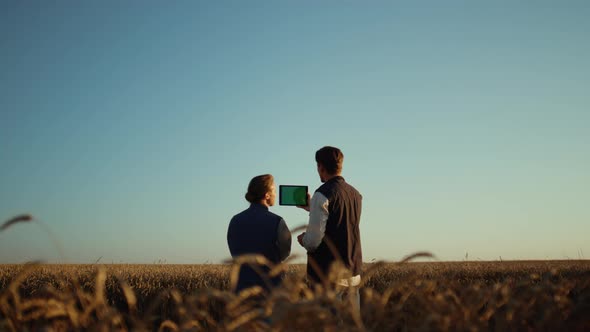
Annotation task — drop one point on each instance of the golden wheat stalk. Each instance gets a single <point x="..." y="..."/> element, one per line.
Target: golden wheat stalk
<point x="244" y="318"/>
<point x="16" y="220"/>
<point x="192" y="325"/>
<point x="168" y="325"/>
<point x="253" y="261"/>
<point x="129" y="295"/>
<point x="420" y="254"/>
<point x="282" y="267"/>
<point x="243" y="295"/>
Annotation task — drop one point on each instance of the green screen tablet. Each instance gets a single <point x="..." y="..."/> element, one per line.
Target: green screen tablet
<point x="292" y="195"/>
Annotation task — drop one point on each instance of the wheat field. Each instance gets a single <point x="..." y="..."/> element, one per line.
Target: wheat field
<point x="413" y="296"/>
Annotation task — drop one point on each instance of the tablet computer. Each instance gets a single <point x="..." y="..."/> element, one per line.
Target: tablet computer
<point x="293" y="195"/>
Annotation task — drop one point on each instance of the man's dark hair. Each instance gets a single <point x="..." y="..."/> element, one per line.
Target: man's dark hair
<point x="258" y="187"/>
<point x="331" y="158"/>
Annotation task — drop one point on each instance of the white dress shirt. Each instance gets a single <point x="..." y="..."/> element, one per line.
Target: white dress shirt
<point x="318" y="216"/>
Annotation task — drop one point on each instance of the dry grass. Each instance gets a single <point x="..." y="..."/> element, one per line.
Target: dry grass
<point x="463" y="296"/>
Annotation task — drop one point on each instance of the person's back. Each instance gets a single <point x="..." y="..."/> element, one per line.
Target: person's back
<point x="342" y="229"/>
<point x="256" y="230"/>
<point x="333" y="231"/>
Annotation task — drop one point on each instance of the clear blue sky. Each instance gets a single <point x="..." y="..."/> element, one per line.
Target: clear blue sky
<point x="133" y="128"/>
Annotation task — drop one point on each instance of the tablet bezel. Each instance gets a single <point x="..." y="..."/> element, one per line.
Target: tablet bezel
<point x="292" y="185"/>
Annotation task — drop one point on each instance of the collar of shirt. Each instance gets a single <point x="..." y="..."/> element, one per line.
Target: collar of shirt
<point x="336" y="178"/>
<point x="258" y="206"/>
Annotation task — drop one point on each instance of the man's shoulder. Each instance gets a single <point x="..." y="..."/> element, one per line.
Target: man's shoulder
<point x="354" y="189"/>
<point x="351" y="187"/>
<point x="345" y="188"/>
<point x="326" y="188"/>
<point x="335" y="185"/>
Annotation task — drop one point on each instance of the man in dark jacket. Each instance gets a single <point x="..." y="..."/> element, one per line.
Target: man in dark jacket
<point x="333" y="232"/>
<point x="256" y="230"/>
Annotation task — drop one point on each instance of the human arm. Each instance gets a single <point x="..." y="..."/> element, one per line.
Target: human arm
<point x="230" y="238"/>
<point x="318" y="216"/>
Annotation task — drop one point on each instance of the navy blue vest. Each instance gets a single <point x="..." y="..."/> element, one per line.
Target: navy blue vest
<point x="254" y="231"/>
<point x="342" y="229"/>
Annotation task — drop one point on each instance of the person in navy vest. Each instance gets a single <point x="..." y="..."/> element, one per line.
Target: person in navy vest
<point x="256" y="230"/>
<point x="333" y="231"/>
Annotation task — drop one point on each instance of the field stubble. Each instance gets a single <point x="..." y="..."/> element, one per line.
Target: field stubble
<point x="433" y="296"/>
